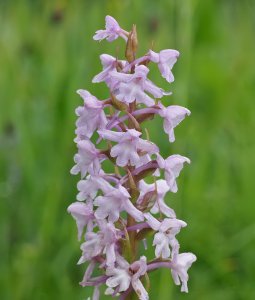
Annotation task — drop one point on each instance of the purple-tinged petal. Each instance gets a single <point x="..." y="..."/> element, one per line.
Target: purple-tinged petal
<point x="165" y="60"/>
<point x="82" y="213"/>
<point x="153" y="222"/>
<point x="110" y="135"/>
<point x="90" y="117"/>
<point x="172" y="115"/>
<point x="180" y="265"/>
<point x="133" y="211"/>
<point x="87" y="159"/>
<point x="112" y="31"/>
<point x="172" y="166"/>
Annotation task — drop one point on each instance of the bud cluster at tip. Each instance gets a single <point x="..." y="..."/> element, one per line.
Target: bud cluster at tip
<point x="116" y="210"/>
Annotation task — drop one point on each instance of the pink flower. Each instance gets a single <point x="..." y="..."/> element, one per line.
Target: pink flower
<point x="172" y="166"/>
<point x="122" y="276"/>
<point x="119" y="278"/>
<point x="165" y="60"/>
<point x="129" y="144"/>
<point x="112" y="31"/>
<point x="90" y="117"/>
<point x="111" y="204"/>
<point x="87" y="159"/>
<point x="109" y="64"/>
<point x="172" y="115"/>
<point x="139" y="268"/>
<point x="133" y="87"/>
<point x="180" y="265"/>
<point x="83" y="215"/>
<point x="160" y="205"/>
<point x="102" y="242"/>
<point x="165" y="237"/>
<point x="89" y="187"/>
<point x="92" y="247"/>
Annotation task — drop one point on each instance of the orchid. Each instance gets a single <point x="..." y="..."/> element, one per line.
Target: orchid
<point x="109" y="64"/>
<point x="121" y="277"/>
<point x="90" y="117"/>
<point x="160" y="188"/>
<point x="83" y="214"/>
<point x="181" y="263"/>
<point x="131" y="87"/>
<point x="119" y="205"/>
<point x="165" y="60"/>
<point x="113" y="203"/>
<point x="128" y="146"/>
<point x="172" y="115"/>
<point x="165" y="235"/>
<point x="172" y="166"/>
<point x="112" y="31"/>
<point x="87" y="159"/>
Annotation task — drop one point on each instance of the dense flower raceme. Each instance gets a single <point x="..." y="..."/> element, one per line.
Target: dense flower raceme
<point x="115" y="210"/>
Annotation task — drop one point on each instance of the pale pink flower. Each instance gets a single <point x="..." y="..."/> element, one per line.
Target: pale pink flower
<point x="139" y="268"/>
<point x="92" y="247"/>
<point x="128" y="146"/>
<point x="118" y="277"/>
<point x="172" y="115"/>
<point x="111" y="204"/>
<point x="122" y="276"/>
<point x="89" y="187"/>
<point x="133" y="87"/>
<point x="87" y="159"/>
<point x="180" y="265"/>
<point x="160" y="205"/>
<point x="112" y="31"/>
<point x="172" y="166"/>
<point x="83" y="215"/>
<point x="90" y="116"/>
<point x="109" y="64"/>
<point x="102" y="242"/>
<point x="165" y="236"/>
<point x="165" y="60"/>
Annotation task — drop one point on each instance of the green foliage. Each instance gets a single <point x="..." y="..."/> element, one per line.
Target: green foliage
<point x="46" y="54"/>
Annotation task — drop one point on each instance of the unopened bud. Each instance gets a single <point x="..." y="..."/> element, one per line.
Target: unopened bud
<point x="132" y="45"/>
<point x="133" y="123"/>
<point x="133" y="188"/>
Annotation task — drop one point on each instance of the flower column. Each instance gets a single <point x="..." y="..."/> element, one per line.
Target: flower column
<point x="120" y="207"/>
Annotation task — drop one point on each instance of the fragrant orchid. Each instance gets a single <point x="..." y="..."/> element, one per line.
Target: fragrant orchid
<point x="120" y="205"/>
<point x="165" y="60"/>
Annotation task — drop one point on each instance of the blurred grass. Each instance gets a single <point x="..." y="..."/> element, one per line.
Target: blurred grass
<point x="46" y="54"/>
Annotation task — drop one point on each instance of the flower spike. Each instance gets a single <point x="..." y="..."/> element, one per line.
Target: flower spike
<point x="118" y="206"/>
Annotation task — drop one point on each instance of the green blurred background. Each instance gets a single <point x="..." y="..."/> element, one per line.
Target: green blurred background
<point x="46" y="54"/>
